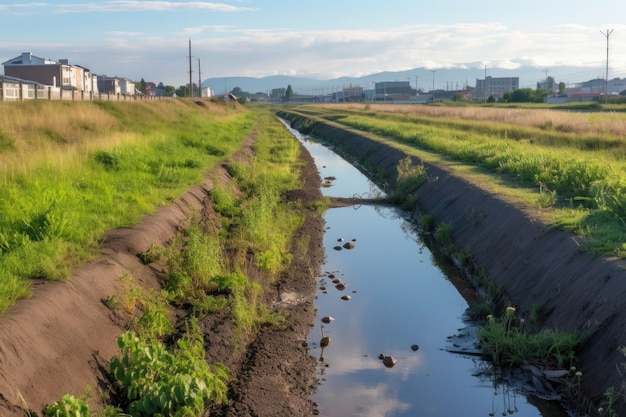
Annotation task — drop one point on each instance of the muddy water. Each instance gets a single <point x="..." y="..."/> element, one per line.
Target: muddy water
<point x="400" y="305"/>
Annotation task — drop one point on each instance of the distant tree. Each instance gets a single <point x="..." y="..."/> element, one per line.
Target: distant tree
<point x="526" y="95"/>
<point x="458" y="97"/>
<point x="170" y="90"/>
<point x="141" y="86"/>
<point x="289" y="92"/>
<point x="540" y="94"/>
<point x="561" y="88"/>
<point x="183" y="91"/>
<point x="522" y="95"/>
<point x="238" y="92"/>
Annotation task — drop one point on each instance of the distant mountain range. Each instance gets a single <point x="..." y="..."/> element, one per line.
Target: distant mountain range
<point x="443" y="79"/>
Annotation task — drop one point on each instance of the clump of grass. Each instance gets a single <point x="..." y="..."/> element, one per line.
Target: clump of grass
<point x="443" y="234"/>
<point x="508" y="342"/>
<point x="410" y="178"/>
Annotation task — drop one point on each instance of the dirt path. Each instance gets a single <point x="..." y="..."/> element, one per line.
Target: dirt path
<point x="60" y="340"/>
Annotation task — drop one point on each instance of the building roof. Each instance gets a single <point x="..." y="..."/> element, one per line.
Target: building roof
<point x="28" y="58"/>
<point x="17" y="80"/>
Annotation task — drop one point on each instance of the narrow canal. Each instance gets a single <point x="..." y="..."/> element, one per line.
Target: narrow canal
<point x="396" y="302"/>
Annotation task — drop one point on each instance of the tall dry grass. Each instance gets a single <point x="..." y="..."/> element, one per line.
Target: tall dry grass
<point x="605" y="123"/>
<point x="53" y="133"/>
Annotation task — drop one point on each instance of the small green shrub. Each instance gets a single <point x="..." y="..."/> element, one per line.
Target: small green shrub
<point x="443" y="233"/>
<point x="152" y="254"/>
<point x="427" y="222"/>
<point x="109" y="160"/>
<point x="410" y="177"/>
<point x="68" y="406"/>
<point x="156" y="381"/>
<point x="154" y="321"/>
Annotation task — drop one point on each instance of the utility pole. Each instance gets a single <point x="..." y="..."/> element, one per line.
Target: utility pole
<point x="199" y="80"/>
<point x="190" y="71"/>
<point x="433" y="71"/>
<point x="485" y="84"/>
<point x="606" y="74"/>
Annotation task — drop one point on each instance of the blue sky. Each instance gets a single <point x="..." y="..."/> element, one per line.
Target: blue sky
<point x="319" y="39"/>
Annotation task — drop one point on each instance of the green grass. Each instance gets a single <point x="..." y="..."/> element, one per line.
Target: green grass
<point x="508" y="342"/>
<point x="205" y="267"/>
<point x="56" y="207"/>
<point x="573" y="168"/>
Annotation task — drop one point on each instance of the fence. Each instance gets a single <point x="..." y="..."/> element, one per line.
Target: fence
<point x="19" y="91"/>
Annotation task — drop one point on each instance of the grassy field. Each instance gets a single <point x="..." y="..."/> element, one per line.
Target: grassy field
<point x="71" y="170"/>
<point x="569" y="165"/>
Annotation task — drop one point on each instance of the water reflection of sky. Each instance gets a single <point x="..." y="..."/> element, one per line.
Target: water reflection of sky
<point x="348" y="180"/>
<point x="399" y="298"/>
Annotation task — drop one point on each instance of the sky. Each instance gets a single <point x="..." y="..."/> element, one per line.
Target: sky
<point x="319" y="39"/>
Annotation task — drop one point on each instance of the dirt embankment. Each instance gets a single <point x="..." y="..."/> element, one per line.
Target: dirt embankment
<point x="534" y="264"/>
<point x="60" y="340"/>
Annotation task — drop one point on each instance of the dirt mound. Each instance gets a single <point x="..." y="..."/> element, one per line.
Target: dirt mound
<point x="61" y="339"/>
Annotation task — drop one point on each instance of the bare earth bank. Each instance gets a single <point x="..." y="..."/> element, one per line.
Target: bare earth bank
<point x="61" y="339"/>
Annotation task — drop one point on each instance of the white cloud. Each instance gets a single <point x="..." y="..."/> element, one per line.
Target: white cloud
<point x="227" y="50"/>
<point x="123" y="6"/>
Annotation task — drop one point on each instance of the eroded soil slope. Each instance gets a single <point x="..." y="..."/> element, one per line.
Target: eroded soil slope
<point x="61" y="339"/>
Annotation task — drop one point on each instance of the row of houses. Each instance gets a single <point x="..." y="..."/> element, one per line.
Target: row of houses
<point x="30" y="77"/>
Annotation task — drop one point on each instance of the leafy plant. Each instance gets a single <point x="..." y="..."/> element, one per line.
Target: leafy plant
<point x="68" y="406"/>
<point x="156" y="381"/>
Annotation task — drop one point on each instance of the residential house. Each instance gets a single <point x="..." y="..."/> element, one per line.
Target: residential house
<point x="109" y="85"/>
<point x="12" y="88"/>
<point x="50" y="72"/>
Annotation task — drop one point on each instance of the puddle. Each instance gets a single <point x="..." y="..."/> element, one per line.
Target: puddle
<point x="394" y="313"/>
